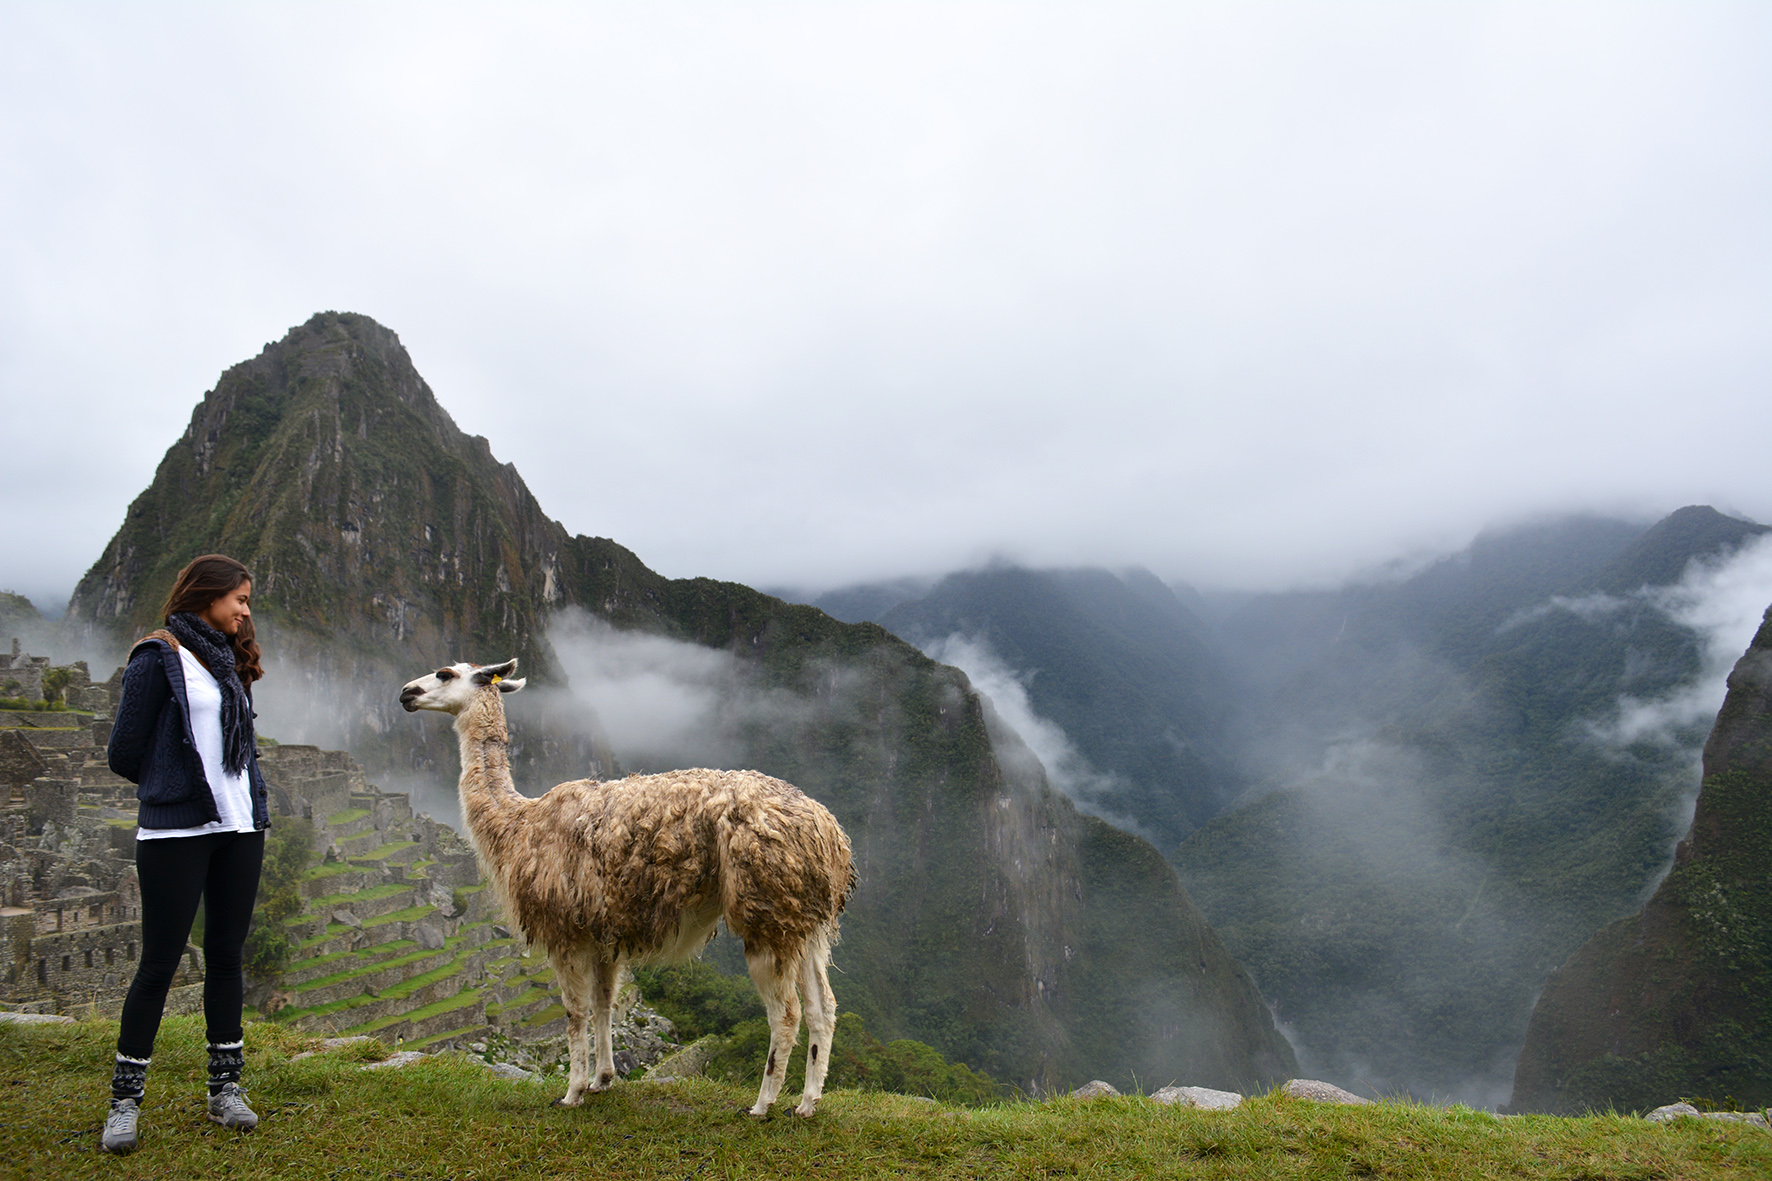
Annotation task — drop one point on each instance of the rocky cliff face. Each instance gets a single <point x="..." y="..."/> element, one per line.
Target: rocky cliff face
<point x="992" y="921"/>
<point x="1677" y="999"/>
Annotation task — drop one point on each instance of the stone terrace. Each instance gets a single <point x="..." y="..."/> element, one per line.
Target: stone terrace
<point x="399" y="938"/>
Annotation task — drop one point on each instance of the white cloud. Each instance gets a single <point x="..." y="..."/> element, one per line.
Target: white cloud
<point x="1250" y="294"/>
<point x="661" y="701"/>
<point x="1723" y="600"/>
<point x="1067" y="769"/>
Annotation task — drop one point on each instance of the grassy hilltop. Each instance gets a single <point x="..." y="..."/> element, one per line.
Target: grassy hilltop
<point x="325" y="1117"/>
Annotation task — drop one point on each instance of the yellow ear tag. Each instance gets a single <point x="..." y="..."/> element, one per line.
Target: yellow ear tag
<point x="496" y="678"/>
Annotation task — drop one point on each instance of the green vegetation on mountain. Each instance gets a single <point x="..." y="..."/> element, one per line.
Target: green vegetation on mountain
<point x="1677" y="998"/>
<point x="386" y="541"/>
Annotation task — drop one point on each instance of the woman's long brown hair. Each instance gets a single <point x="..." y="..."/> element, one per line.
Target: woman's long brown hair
<point x="200" y="584"/>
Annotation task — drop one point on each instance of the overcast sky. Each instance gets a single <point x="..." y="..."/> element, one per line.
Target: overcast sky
<point x="804" y="294"/>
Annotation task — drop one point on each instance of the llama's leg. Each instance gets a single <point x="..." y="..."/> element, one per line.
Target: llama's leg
<point x="775" y="982"/>
<point x="605" y="976"/>
<point x="572" y="973"/>
<point x="821" y="1019"/>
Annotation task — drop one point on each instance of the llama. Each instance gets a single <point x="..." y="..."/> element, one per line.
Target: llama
<point x="641" y="870"/>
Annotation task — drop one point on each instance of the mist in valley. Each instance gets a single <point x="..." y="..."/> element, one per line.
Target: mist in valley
<point x="1448" y="780"/>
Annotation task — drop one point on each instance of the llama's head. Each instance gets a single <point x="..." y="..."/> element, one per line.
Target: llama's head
<point x="452" y="689"/>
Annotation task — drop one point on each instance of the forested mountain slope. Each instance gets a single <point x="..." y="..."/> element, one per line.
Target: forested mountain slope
<point x="1677" y="998"/>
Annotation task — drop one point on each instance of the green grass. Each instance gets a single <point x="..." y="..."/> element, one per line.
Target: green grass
<point x="326" y="1118"/>
<point x="410" y="914"/>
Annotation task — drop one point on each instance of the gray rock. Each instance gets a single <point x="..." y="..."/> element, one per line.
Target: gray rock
<point x="428" y="936"/>
<point x="397" y="1060"/>
<point x="1672" y="1111"/>
<point x="35" y="1019"/>
<point x="506" y="1070"/>
<point x="1094" y="1089"/>
<point x="1313" y="1091"/>
<point x="443" y="899"/>
<point x="347" y="918"/>
<point x="1202" y="1097"/>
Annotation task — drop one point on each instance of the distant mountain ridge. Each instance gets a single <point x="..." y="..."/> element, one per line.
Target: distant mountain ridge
<point x="1426" y="826"/>
<point x="992" y="921"/>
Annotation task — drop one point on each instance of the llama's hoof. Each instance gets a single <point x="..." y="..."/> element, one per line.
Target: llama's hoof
<point x="805" y="1109"/>
<point x="568" y="1100"/>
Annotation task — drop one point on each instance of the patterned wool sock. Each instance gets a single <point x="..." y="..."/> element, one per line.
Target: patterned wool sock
<point x="129" y="1077"/>
<point x="226" y="1061"/>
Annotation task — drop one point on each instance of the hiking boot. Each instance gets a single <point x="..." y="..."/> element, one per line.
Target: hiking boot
<point x="227" y="1107"/>
<point x="120" y="1127"/>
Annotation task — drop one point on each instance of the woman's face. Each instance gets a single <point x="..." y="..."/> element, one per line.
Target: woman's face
<point x="227" y="613"/>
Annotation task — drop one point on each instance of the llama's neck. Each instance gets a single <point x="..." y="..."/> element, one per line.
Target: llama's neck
<point x="487" y="793"/>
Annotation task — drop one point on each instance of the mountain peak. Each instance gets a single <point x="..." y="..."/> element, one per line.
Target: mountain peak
<point x="1660" y="556"/>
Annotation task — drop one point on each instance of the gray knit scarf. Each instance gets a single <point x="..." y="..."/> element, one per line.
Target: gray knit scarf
<point x="216" y="652"/>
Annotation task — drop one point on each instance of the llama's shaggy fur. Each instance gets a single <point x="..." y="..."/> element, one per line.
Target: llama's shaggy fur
<point x="641" y="870"/>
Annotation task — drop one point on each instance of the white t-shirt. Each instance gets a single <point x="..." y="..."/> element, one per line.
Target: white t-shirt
<point x="233" y="793"/>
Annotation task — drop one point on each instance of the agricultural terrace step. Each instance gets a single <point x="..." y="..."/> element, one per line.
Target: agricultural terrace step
<point x="350" y="822"/>
<point x="304" y="972"/>
<point x="427" y="1021"/>
<point x="372" y="901"/>
<point x="374" y="978"/>
<point x="360" y="842"/>
<point x="392" y="853"/>
<point x="545" y="1023"/>
<point x="410" y="914"/>
<point x="330" y="939"/>
<point x="414" y="969"/>
<point x="453" y="1039"/>
<point x="521" y="1008"/>
<point x="437" y="984"/>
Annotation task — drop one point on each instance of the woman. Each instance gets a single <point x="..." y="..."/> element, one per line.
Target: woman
<point x="183" y="734"/>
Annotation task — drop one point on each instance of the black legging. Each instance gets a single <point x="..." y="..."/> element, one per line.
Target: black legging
<point x="221" y="868"/>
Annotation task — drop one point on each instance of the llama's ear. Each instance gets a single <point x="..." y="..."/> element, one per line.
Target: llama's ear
<point x="489" y="674"/>
<point x="511" y="686"/>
